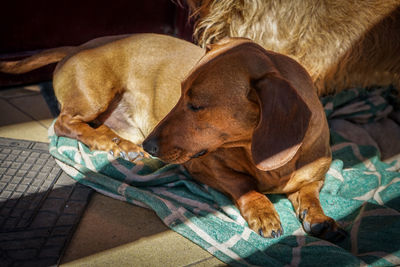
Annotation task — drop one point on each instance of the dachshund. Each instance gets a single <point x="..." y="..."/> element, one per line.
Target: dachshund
<point x="113" y="90"/>
<point x="249" y="123"/>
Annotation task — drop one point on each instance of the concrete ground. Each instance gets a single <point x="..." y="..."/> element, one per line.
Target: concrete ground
<point x="111" y="232"/>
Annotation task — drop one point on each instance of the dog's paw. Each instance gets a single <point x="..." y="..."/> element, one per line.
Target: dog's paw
<point x="321" y="226"/>
<point x="127" y="150"/>
<point x="261" y="216"/>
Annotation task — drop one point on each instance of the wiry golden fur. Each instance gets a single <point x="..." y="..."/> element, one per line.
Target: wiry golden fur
<point x="341" y="43"/>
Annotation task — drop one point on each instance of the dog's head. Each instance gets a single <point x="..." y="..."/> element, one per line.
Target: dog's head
<point x="234" y="96"/>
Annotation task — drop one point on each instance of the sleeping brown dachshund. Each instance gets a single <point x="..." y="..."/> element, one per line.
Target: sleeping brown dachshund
<point x="249" y="123"/>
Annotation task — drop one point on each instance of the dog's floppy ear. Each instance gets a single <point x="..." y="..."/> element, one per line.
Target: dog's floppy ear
<point x="284" y="119"/>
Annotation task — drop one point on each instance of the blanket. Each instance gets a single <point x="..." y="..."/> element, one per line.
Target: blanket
<point x="361" y="192"/>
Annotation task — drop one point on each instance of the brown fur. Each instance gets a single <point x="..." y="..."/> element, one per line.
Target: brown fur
<point x="254" y="113"/>
<point x="249" y="122"/>
<point x="114" y="90"/>
<point x="341" y="43"/>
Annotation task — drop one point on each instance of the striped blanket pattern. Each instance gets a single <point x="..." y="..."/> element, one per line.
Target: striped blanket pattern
<point x="361" y="192"/>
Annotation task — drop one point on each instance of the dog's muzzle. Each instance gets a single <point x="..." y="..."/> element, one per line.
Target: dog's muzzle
<point x="151" y="146"/>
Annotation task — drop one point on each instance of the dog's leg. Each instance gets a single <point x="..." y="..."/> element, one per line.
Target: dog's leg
<point x="308" y="209"/>
<point x="255" y="207"/>
<point x="260" y="214"/>
<point x="100" y="138"/>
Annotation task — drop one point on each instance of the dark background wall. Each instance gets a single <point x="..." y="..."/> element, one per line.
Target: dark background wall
<point x="28" y="26"/>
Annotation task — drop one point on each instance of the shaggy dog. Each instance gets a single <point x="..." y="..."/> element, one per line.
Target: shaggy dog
<point x="341" y="43"/>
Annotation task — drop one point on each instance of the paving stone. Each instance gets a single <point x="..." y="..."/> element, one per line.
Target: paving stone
<point x="40" y="206"/>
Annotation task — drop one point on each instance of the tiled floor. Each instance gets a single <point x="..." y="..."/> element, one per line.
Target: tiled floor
<point x="111" y="232"/>
<point x="24" y="114"/>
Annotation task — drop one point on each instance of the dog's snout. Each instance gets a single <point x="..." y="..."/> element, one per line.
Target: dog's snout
<point x="151" y="146"/>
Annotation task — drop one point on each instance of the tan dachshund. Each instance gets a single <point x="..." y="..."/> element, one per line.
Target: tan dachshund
<point x="114" y="90"/>
<point x="249" y="122"/>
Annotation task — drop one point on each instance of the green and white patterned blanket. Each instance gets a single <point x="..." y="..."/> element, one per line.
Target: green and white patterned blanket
<point x="361" y="192"/>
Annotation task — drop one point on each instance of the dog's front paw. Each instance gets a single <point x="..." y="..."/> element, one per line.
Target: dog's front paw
<point x="322" y="226"/>
<point x="260" y="214"/>
<point x="127" y="150"/>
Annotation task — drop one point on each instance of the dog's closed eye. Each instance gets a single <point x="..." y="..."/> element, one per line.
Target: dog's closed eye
<point x="194" y="107"/>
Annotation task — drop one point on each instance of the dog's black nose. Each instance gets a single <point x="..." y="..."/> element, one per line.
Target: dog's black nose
<point x="151" y="146"/>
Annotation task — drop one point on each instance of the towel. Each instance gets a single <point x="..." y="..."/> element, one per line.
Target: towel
<point x="361" y="192"/>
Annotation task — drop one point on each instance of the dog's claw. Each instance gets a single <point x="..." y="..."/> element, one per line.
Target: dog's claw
<point x="274" y="234"/>
<point x="307" y="227"/>
<point x="123" y="155"/>
<point x="303" y="214"/>
<point x="280" y="232"/>
<point x="132" y="155"/>
<point x="260" y="232"/>
<point x="116" y="140"/>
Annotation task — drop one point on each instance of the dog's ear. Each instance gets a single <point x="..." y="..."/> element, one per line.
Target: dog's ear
<point x="225" y="41"/>
<point x="284" y="119"/>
